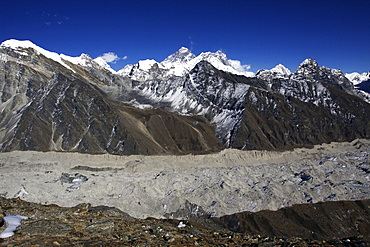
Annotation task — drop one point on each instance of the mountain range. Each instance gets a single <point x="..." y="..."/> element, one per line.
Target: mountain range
<point x="184" y="104"/>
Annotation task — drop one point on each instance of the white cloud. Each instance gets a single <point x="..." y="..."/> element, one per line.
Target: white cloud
<point x="239" y="67"/>
<point x="246" y="67"/>
<point x="110" y="57"/>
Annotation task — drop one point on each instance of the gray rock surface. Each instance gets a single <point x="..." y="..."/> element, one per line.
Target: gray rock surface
<point x="193" y="185"/>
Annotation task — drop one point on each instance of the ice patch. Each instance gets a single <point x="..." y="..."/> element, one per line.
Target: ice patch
<point x="12" y="222"/>
<point x="136" y="104"/>
<point x="21" y="193"/>
<point x="181" y="225"/>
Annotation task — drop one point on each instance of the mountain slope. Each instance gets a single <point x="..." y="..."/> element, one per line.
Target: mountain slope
<point x="58" y="105"/>
<point x="276" y="110"/>
<point x="184" y="104"/>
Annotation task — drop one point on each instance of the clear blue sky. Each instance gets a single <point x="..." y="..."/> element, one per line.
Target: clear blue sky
<point x="260" y="33"/>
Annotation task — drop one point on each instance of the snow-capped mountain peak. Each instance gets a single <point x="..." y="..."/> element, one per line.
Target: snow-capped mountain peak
<point x="356" y="78"/>
<point x="281" y="70"/>
<point x="217" y="57"/>
<point x="220" y="61"/>
<point x="15" y="44"/>
<point x="20" y="45"/>
<point x="308" y="67"/>
<point x="183" y="61"/>
<point x="146" y="64"/>
<point x="308" y="63"/>
<point x="141" y="70"/>
<point x="183" y="55"/>
<point x="83" y="60"/>
<point x="102" y="63"/>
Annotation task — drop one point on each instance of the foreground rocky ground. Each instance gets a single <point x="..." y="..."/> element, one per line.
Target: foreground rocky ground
<point x="84" y="225"/>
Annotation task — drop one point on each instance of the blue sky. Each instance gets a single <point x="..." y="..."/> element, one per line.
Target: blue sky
<point x="261" y="34"/>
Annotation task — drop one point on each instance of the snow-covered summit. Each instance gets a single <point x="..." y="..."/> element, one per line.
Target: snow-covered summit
<point x="146" y="64"/>
<point x="307" y="69"/>
<point x="183" y="55"/>
<point x="102" y="63"/>
<point x="309" y="64"/>
<point x="357" y="78"/>
<point x="220" y="61"/>
<point x="279" y="71"/>
<point x="182" y="61"/>
<point x="140" y="71"/>
<point x="13" y="43"/>
<point x="20" y="45"/>
<point x="83" y="60"/>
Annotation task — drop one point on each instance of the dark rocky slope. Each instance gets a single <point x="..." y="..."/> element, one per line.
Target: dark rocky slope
<point x="287" y="122"/>
<point x="323" y="221"/>
<point x="333" y="223"/>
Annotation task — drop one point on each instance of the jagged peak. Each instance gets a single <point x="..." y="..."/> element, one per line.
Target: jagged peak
<point x="281" y="69"/>
<point x="218" y="54"/>
<point x="309" y="62"/>
<point x="183" y="55"/>
<point x="307" y="67"/>
<point x="101" y="62"/>
<point x="85" y="56"/>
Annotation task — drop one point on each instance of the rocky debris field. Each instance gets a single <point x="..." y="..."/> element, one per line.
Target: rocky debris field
<point x="219" y="184"/>
<point x="84" y="225"/>
<point x="222" y="199"/>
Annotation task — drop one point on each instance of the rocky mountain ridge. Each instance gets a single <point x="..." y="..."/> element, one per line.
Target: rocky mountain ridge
<point x="55" y="102"/>
<point x="181" y="62"/>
